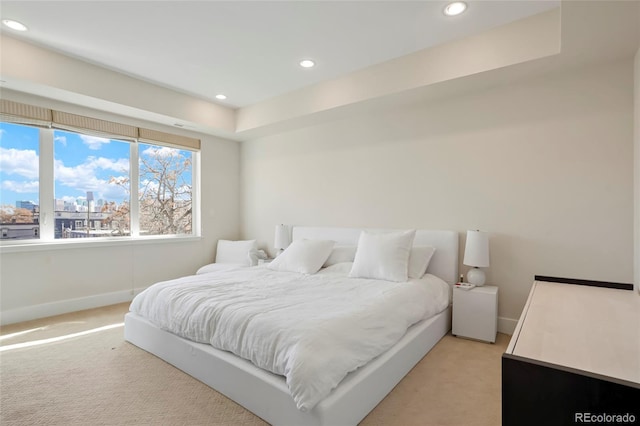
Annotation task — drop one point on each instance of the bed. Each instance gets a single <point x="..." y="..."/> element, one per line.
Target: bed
<point x="267" y="394"/>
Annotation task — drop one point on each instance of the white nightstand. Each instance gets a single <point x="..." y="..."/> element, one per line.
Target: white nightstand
<point x="475" y="313"/>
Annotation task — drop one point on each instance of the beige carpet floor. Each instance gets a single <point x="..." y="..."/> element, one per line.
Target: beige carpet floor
<point x="99" y="379"/>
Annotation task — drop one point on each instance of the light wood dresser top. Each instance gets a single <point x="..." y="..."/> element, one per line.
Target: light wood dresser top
<point x="588" y="328"/>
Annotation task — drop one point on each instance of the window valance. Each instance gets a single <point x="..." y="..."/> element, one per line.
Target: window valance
<point x="15" y="112"/>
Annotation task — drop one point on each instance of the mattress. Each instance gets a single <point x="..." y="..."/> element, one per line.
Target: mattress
<point x="311" y="329"/>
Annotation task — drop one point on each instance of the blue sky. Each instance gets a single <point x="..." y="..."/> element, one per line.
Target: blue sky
<point x="86" y="163"/>
<point x="19" y="155"/>
<point x="81" y="163"/>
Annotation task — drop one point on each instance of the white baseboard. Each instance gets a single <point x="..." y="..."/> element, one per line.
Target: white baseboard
<point x="507" y="325"/>
<point x="65" y="306"/>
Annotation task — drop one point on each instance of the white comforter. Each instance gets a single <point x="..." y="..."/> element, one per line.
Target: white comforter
<point x="312" y="329"/>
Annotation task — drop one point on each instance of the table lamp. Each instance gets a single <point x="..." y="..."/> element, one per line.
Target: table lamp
<point x="476" y="254"/>
<point x="282" y="238"/>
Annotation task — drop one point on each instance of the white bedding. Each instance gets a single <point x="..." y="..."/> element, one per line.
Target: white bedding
<point x="312" y="329"/>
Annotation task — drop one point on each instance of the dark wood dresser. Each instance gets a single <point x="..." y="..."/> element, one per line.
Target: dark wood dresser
<point x="574" y="357"/>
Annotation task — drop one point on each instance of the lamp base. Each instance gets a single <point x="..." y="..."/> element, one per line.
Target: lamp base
<point x="476" y="276"/>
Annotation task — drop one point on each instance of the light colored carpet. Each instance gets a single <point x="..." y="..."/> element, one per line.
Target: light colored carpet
<point x="100" y="379"/>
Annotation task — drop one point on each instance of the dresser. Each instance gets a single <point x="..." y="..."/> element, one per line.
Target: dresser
<point x="574" y="356"/>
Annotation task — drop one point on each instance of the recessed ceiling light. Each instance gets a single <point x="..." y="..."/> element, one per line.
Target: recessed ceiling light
<point x="14" y="25"/>
<point x="455" y="8"/>
<point x="307" y="63"/>
<point x="221" y="97"/>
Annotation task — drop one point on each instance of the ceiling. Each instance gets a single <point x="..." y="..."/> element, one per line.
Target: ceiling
<point x="249" y="50"/>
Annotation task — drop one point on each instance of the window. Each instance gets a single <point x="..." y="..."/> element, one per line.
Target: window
<point x="104" y="179"/>
<point x="165" y="190"/>
<point x="19" y="177"/>
<point x="91" y="180"/>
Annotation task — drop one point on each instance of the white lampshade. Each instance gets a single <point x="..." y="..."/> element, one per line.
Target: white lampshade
<point x="282" y="238"/>
<point x="476" y="254"/>
<point x="476" y="251"/>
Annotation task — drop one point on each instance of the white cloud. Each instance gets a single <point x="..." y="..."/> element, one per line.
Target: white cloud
<point x="184" y="192"/>
<point x="112" y="192"/>
<point x="93" y="142"/>
<point x="61" y="139"/>
<point x="120" y="165"/>
<point x="21" y="162"/>
<point x="148" y="186"/>
<point x="20" y="187"/>
<point x="83" y="177"/>
<point x="162" y="152"/>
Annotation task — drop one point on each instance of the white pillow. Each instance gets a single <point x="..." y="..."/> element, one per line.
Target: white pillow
<point x="304" y="256"/>
<point x="340" y="254"/>
<point x="383" y="256"/>
<point x="419" y="259"/>
<point x="236" y="252"/>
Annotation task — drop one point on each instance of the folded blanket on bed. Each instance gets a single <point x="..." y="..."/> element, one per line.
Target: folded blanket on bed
<point x="312" y="329"/>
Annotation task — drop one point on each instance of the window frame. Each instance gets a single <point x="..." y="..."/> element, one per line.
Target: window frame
<point x="47" y="240"/>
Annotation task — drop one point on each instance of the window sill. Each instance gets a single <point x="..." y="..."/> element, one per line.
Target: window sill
<point x="81" y="243"/>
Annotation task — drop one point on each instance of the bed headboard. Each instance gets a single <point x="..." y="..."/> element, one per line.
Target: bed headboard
<point x="444" y="263"/>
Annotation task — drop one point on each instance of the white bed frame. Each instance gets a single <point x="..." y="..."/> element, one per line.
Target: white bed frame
<point x="266" y="394"/>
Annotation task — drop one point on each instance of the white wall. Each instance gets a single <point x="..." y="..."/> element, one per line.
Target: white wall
<point x="42" y="282"/>
<point x="545" y="166"/>
<point x="636" y="257"/>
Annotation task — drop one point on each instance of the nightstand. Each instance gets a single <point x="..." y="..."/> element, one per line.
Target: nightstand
<point x="475" y="313"/>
